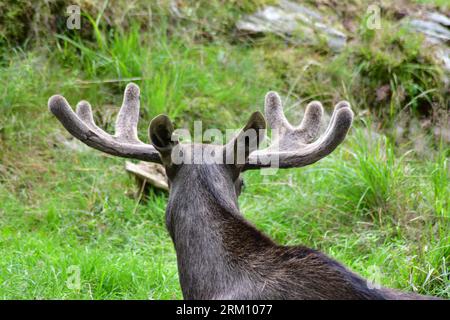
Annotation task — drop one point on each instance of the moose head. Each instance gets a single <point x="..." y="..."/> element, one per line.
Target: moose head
<point x="291" y="146"/>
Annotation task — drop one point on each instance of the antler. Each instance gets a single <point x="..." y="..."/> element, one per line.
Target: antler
<point x="125" y="142"/>
<point x="293" y="146"/>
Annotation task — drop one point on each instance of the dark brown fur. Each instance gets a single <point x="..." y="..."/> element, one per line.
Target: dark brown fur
<point x="222" y="256"/>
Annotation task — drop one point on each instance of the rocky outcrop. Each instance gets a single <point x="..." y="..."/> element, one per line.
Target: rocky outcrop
<point x="298" y="23"/>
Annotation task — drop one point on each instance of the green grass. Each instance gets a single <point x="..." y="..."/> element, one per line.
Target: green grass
<point x="375" y="204"/>
<point x="346" y="205"/>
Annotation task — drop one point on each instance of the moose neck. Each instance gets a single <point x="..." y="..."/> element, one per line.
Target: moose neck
<point x="200" y="209"/>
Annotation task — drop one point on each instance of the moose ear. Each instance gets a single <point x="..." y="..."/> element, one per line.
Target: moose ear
<point x="247" y="141"/>
<point x="160" y="134"/>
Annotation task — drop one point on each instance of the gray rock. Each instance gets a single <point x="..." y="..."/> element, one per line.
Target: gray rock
<point x="435" y="32"/>
<point x="438" y="18"/>
<point x="435" y="27"/>
<point x="297" y="22"/>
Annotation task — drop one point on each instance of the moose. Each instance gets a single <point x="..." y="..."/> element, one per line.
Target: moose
<point x="220" y="255"/>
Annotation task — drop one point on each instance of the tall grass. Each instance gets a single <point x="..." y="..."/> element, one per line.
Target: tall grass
<point x="184" y="80"/>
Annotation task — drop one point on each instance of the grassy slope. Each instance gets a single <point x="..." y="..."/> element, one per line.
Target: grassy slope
<point x="379" y="210"/>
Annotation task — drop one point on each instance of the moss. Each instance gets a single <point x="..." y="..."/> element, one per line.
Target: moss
<point x="397" y="58"/>
<point x="14" y="26"/>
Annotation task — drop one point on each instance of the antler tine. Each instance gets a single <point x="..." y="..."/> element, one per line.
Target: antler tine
<point x="292" y="147"/>
<point x="340" y="105"/>
<point x="84" y="112"/>
<point x="340" y="123"/>
<point x="308" y="129"/>
<point x="310" y="124"/>
<point x="273" y="110"/>
<point x="82" y="126"/>
<point x="128" y="117"/>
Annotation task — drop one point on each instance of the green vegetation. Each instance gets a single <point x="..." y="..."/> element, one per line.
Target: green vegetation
<point x="377" y="204"/>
